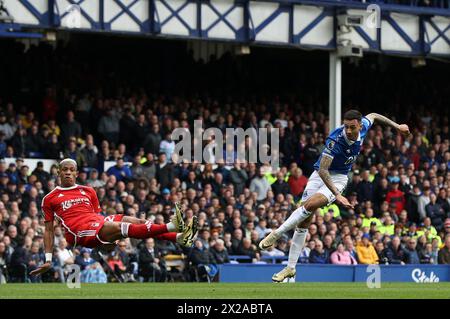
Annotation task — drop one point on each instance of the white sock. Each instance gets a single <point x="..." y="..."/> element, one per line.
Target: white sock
<point x="297" y="216"/>
<point x="171" y="227"/>
<point x="124" y="229"/>
<point x="298" y="242"/>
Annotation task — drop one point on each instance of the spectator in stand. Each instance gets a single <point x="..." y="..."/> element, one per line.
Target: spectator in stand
<point x="94" y="274"/>
<point x="379" y="248"/>
<point x="109" y="126"/>
<point x="411" y="253"/>
<point x="219" y="252"/>
<point x="247" y="249"/>
<point x="164" y="171"/>
<point x="365" y="187"/>
<point x="5" y="127"/>
<point x="35" y="259"/>
<point x="304" y="255"/>
<point x="396" y="196"/>
<point x="65" y="258"/>
<point x="41" y="174"/>
<point x="4" y="262"/>
<point x="387" y="227"/>
<point x="424" y="200"/>
<point x="280" y="186"/>
<point x="260" y="185"/>
<point x="297" y="183"/>
<point x="74" y="153"/>
<point x="153" y="139"/>
<point x="369" y="219"/>
<point x="84" y="259"/>
<point x="342" y="257"/>
<point x="428" y="255"/>
<point x="238" y="178"/>
<point x="203" y="261"/>
<point x="444" y="253"/>
<point x="444" y="196"/>
<point x="395" y="253"/>
<point x="121" y="171"/>
<point x="151" y="264"/>
<point x="319" y="255"/>
<point x="366" y="252"/>
<point x="167" y="146"/>
<point x="71" y="128"/>
<point x="89" y="151"/>
<point x="435" y="212"/>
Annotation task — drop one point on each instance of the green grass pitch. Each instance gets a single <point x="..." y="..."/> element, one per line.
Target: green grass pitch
<point x="227" y="291"/>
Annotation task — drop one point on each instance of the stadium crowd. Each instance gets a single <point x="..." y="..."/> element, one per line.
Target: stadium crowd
<point x="400" y="187"/>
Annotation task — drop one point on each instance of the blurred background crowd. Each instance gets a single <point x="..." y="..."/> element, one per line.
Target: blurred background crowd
<point x="67" y="103"/>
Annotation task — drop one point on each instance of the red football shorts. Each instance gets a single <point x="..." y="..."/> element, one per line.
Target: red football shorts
<point x="87" y="234"/>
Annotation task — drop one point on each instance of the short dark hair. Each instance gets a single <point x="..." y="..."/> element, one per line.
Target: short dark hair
<point x="353" y="115"/>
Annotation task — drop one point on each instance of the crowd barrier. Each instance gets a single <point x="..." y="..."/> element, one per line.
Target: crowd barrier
<point x="337" y="273"/>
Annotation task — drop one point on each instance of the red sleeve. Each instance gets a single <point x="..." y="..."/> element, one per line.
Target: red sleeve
<point x="47" y="209"/>
<point x="94" y="201"/>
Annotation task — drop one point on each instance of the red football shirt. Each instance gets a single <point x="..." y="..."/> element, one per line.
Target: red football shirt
<point x="73" y="206"/>
<point x="397" y="197"/>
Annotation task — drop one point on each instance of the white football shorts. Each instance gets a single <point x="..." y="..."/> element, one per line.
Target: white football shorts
<point x="316" y="185"/>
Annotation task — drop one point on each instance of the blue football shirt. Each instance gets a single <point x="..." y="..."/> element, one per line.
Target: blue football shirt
<point x="343" y="151"/>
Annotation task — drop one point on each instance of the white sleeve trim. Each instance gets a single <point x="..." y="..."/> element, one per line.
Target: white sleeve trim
<point x="365" y="117"/>
<point x="326" y="154"/>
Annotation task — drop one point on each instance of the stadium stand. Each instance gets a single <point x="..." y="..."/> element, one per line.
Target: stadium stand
<point x="77" y="101"/>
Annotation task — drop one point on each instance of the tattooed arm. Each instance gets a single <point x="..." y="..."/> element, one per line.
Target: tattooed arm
<point x="324" y="174"/>
<point x="402" y="128"/>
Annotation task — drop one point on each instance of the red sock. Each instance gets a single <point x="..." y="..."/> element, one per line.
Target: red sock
<point x="168" y="236"/>
<point x="142" y="231"/>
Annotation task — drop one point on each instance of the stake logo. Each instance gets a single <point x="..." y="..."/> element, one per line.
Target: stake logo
<point x="420" y="276"/>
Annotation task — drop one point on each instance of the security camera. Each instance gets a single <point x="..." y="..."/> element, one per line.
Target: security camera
<point x="350" y="50"/>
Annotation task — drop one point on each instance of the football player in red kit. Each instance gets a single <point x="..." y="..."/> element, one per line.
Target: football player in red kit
<point x="78" y="209"/>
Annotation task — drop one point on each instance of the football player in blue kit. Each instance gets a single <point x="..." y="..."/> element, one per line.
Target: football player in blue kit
<point x="327" y="182"/>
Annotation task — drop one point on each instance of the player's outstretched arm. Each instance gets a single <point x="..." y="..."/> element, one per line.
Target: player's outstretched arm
<point x="324" y="174"/>
<point x="402" y="128"/>
<point x="48" y="245"/>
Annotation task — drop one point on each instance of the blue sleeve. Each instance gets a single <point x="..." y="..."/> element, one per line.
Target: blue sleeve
<point x="331" y="148"/>
<point x="366" y="124"/>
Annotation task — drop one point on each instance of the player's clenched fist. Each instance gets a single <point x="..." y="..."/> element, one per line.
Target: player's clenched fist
<point x="404" y="130"/>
